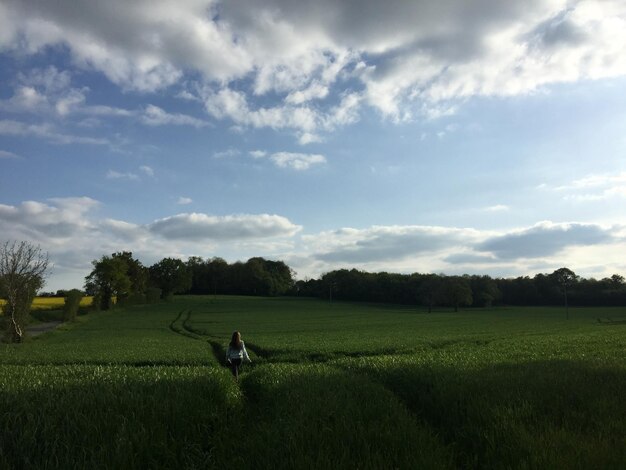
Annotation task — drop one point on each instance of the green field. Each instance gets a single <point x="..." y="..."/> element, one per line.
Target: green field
<point x="336" y="385"/>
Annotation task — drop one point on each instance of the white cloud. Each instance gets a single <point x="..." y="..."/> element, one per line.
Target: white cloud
<point x="116" y="175"/>
<point x="297" y="161"/>
<point x="184" y="200"/>
<point x="143" y="45"/>
<point x="258" y="153"/>
<point x="101" y="110"/>
<point x="49" y="92"/>
<point x="39" y="221"/>
<point x="227" y="103"/>
<point x="314" y="91"/>
<point x="308" y="138"/>
<point x="232" y="227"/>
<point x="386" y="243"/>
<point x="406" y="59"/>
<point x="44" y="91"/>
<point x="463" y="250"/>
<point x="294" y="161"/>
<point x="497" y="208"/>
<point x="228" y="153"/>
<point x="25" y="98"/>
<point x="6" y="154"/>
<point x="155" y="116"/>
<point x="46" y="131"/>
<point x="123" y="231"/>
<point x="545" y="239"/>
<point x="596" y="187"/>
<point x="147" y="170"/>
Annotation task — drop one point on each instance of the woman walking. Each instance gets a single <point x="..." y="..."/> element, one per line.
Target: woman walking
<point x="236" y="353"/>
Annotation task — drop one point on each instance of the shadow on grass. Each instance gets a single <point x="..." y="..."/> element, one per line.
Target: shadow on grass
<point x="545" y="414"/>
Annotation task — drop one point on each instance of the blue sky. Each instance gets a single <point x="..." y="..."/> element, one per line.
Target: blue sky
<point x="455" y="137"/>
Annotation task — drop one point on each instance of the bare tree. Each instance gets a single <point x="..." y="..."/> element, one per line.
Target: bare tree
<point x="22" y="270"/>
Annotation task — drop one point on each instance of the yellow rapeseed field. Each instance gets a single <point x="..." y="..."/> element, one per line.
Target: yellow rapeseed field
<point x="52" y="303"/>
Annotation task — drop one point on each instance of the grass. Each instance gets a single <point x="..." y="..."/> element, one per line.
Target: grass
<point x="337" y="385"/>
<point x="78" y="416"/>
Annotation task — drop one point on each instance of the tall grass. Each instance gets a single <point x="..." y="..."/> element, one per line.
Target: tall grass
<point x="315" y="416"/>
<point x="536" y="414"/>
<point x="113" y="416"/>
<point x="330" y="386"/>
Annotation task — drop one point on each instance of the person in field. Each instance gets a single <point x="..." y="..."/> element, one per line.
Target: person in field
<point x="236" y="353"/>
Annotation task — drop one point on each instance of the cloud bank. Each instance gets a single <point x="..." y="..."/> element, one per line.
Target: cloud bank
<point x="74" y="234"/>
<point x="234" y="227"/>
<point x="310" y="67"/>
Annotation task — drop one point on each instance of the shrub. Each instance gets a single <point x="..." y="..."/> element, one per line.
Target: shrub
<point x="133" y="299"/>
<point x="153" y="295"/>
<point x="72" y="302"/>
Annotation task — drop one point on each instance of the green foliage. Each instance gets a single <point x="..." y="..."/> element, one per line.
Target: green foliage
<point x="257" y="276"/>
<point x="72" y="303"/>
<point x="120" y="276"/>
<point x="457" y="292"/>
<point x="170" y="275"/>
<point x="108" y="279"/>
<point x="132" y="299"/>
<point x="266" y="277"/>
<point x="153" y="295"/>
<point x="431" y="290"/>
<point x="564" y="276"/>
<point x="47" y="315"/>
<point x="136" y="272"/>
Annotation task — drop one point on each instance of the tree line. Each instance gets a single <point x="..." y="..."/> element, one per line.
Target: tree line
<point x="122" y="276"/>
<point x="434" y="290"/>
<point x="126" y="279"/>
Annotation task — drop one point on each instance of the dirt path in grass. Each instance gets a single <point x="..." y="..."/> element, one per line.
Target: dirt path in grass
<point x="41" y="328"/>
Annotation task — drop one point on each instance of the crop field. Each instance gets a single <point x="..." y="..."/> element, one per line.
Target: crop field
<point x="53" y="303"/>
<point x="339" y="385"/>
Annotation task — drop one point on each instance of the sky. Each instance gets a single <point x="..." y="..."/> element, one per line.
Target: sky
<point x="478" y="137"/>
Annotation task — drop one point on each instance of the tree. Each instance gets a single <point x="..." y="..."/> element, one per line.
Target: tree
<point x="564" y="277"/>
<point x="170" y="275"/>
<point x="429" y="290"/>
<point x="199" y="275"/>
<point x="22" y="270"/>
<point x="108" y="278"/>
<point x="137" y="273"/>
<point x="264" y="277"/>
<point x="484" y="291"/>
<point x="457" y="292"/>
<point x="72" y="304"/>
<point x="617" y="281"/>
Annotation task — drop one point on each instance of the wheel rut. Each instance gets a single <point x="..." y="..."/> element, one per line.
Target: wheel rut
<point x="182" y="325"/>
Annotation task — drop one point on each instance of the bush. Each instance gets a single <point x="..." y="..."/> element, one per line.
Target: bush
<point x="153" y="295"/>
<point x="133" y="299"/>
<point x="72" y="302"/>
<point x="48" y="315"/>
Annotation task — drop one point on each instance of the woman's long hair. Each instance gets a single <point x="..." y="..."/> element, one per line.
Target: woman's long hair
<point x="235" y="341"/>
